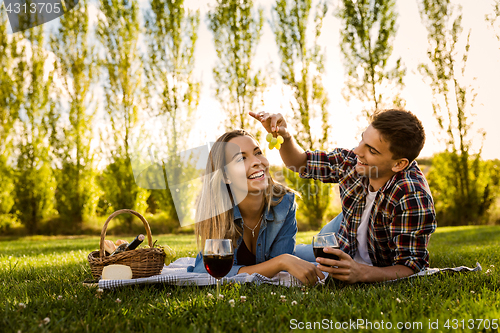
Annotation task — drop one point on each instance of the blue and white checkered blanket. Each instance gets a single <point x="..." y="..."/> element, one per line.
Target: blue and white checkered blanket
<point x="176" y="274"/>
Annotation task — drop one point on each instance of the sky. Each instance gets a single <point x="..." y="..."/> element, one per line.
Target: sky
<point x="483" y="71"/>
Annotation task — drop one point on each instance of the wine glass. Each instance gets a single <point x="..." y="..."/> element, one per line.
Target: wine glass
<point x="321" y="241"/>
<point x="218" y="258"/>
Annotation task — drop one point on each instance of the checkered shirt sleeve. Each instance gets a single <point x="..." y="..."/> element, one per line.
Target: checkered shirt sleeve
<point x="328" y="167"/>
<point x="414" y="222"/>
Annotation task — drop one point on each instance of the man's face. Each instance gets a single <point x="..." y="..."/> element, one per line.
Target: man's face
<point x="374" y="157"/>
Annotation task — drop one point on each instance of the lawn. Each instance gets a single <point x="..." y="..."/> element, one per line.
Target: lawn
<point x="42" y="291"/>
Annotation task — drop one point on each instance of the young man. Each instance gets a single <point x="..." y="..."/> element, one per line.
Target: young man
<point x="387" y="210"/>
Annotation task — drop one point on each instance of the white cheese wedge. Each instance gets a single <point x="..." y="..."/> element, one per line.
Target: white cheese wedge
<point x="117" y="272"/>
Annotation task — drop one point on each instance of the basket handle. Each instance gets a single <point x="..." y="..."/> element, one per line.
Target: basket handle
<point x="118" y="212"/>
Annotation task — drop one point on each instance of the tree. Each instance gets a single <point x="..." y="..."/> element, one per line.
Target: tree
<point x="447" y="196"/>
<point x="237" y="32"/>
<point x="34" y="181"/>
<point x="494" y="18"/>
<point x="119" y="35"/>
<point x="367" y="34"/>
<point x="171" y="35"/>
<point x="302" y="68"/>
<point x="76" y="195"/>
<point x="452" y="103"/>
<point x="11" y="85"/>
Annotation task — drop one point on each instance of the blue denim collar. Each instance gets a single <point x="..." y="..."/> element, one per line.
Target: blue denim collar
<point x="268" y="213"/>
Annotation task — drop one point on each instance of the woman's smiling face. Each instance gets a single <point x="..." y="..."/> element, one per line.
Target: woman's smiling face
<point x="247" y="168"/>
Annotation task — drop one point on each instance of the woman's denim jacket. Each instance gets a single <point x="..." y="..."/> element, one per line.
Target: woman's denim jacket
<point x="276" y="235"/>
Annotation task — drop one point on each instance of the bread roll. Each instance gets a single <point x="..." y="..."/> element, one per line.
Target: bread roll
<point x="109" y="246"/>
<point x="120" y="242"/>
<point x="117" y="272"/>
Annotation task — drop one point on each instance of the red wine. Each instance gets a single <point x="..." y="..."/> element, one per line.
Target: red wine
<point x="318" y="252"/>
<point x="218" y="265"/>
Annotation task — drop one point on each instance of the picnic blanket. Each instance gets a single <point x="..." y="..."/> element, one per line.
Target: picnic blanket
<point x="176" y="274"/>
<point x="431" y="271"/>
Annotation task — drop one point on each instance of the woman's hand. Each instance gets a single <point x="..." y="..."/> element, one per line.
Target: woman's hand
<point x="305" y="271"/>
<point x="272" y="123"/>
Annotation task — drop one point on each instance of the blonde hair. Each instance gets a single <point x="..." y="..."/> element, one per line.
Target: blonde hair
<point x="214" y="209"/>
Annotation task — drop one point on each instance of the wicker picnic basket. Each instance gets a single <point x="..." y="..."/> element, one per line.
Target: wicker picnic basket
<point x="143" y="262"/>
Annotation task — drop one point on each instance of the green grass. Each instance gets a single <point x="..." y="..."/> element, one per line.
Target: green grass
<point x="45" y="273"/>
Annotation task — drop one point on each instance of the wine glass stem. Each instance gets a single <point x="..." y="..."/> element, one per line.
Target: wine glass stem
<point x="218" y="288"/>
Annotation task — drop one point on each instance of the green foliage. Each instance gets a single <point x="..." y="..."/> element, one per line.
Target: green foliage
<point x="237" y="32"/>
<point x="76" y="195"/>
<point x="11" y="82"/>
<point x="314" y="201"/>
<point x="6" y="175"/>
<point x="494" y="19"/>
<point x="463" y="178"/>
<point x="6" y="119"/>
<point x="119" y="35"/>
<point x="7" y="219"/>
<point x="302" y="69"/>
<point x="11" y="85"/>
<point x="171" y="38"/>
<point x="445" y="71"/>
<point x="34" y="186"/>
<point x="367" y="32"/>
<point x="171" y="33"/>
<point x="160" y="223"/>
<point x="452" y="206"/>
<point x="34" y="181"/>
<point x="120" y="189"/>
<point x="424" y="161"/>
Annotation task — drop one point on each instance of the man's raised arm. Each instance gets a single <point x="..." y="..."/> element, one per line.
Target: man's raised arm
<point x="291" y="153"/>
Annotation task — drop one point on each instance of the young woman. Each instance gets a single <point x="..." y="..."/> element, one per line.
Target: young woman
<point x="240" y="201"/>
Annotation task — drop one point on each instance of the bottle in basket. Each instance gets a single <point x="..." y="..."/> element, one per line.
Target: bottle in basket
<point x="136" y="242"/>
<point x="129" y="246"/>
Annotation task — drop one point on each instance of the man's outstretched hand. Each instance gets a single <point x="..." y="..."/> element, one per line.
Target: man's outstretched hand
<point x="292" y="154"/>
<point x="272" y="123"/>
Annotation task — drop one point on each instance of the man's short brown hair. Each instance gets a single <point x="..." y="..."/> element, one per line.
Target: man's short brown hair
<point x="402" y="130"/>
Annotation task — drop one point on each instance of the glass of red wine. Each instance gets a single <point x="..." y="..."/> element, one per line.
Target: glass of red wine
<point x="218" y="258"/>
<point x="321" y="241"/>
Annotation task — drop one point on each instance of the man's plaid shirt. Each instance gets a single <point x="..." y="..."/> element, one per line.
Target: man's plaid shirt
<point x="402" y="217"/>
